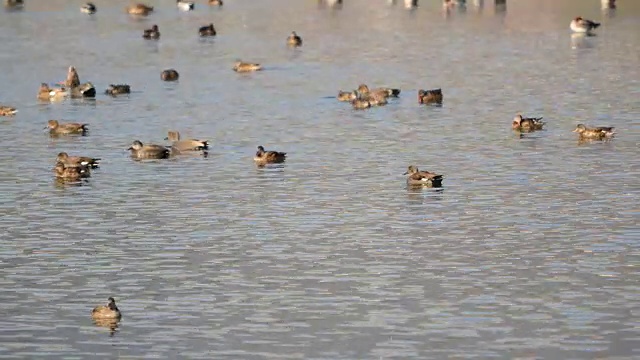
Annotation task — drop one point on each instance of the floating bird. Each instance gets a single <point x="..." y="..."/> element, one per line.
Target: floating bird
<point x="88" y="8"/>
<point x="153" y="33"/>
<point x="151" y="151"/>
<point x="70" y="161"/>
<point x="185" y="5"/>
<point x="430" y="96"/>
<point x="57" y="128"/>
<point x="215" y="2"/>
<point x="207" y="30"/>
<point x="269" y="157"/>
<point x="118" y="89"/>
<point x="596" y="133"/>
<point x="294" y="40"/>
<point x="240" y="66"/>
<point x="527" y="124"/>
<point x="72" y="173"/>
<point x="7" y="111"/>
<point x="423" y="178"/>
<point x="581" y="25"/>
<point x="14" y="4"/>
<point x="139" y="9"/>
<point x="46" y="93"/>
<point x="186" y="144"/>
<point x="169" y="75"/>
<point x="110" y="311"/>
<point x="347" y="95"/>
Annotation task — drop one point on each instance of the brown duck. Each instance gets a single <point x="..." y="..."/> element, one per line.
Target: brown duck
<point x="56" y="128"/>
<point x="595" y="133"/>
<point x="139" y="9"/>
<point x="169" y="75"/>
<point x="207" y="30"/>
<point x="7" y="111"/>
<point x="118" y="89"/>
<point x="70" y="173"/>
<point x="46" y="93"/>
<point x="524" y="124"/>
<point x="294" y="40"/>
<point x="110" y="311"/>
<point x="71" y="161"/>
<point x="430" y="96"/>
<point x="186" y="144"/>
<point x="269" y="157"/>
<point x="151" y="151"/>
<point x="422" y="178"/>
<point x="240" y="66"/>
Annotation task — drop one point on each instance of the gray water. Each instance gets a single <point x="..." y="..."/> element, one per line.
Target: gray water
<point x="530" y="250"/>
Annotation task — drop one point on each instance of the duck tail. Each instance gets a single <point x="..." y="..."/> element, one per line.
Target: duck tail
<point x="595" y="25"/>
<point x="205" y="145"/>
<point x="394" y="92"/>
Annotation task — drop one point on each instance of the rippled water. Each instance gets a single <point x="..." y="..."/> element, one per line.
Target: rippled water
<point x="530" y="250"/>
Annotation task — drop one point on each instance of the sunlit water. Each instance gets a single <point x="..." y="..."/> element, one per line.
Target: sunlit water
<point x="529" y="251"/>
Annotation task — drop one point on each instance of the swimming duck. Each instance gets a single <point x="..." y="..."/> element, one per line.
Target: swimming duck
<point x="139" y="9"/>
<point x="347" y="95"/>
<point x="430" y="96"/>
<point x="86" y="90"/>
<point x="383" y="92"/>
<point x="269" y="157"/>
<point x="185" y="5"/>
<point x="141" y="151"/>
<point x="110" y="311"/>
<point x="71" y="173"/>
<point x="581" y="25"/>
<point x="360" y="104"/>
<point x="88" y="8"/>
<point x="56" y="128"/>
<point x="71" y="161"/>
<point x="72" y="79"/>
<point x="423" y="178"/>
<point x="14" y="4"/>
<point x="7" y="111"/>
<point x="186" y="144"/>
<point x="527" y="124"/>
<point x="596" y="133"/>
<point x="240" y="66"/>
<point x="118" y="89"/>
<point x="215" y="2"/>
<point x="46" y="93"/>
<point x="294" y="40"/>
<point x="207" y="30"/>
<point x="152" y="33"/>
<point x="169" y="75"/>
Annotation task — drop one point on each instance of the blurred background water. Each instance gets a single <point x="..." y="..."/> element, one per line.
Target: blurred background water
<point x="530" y="250"/>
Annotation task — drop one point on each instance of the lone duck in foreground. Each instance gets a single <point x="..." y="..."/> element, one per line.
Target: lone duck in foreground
<point x="423" y="178"/>
<point x="596" y="133"/>
<point x="169" y="75"/>
<point x="269" y="157"/>
<point x="526" y="124"/>
<point x="185" y="5"/>
<point x="186" y="144"/>
<point x="581" y="25"/>
<point x="7" y="111"/>
<point x="141" y="151"/>
<point x="71" y="161"/>
<point x="294" y="40"/>
<point x="71" y="173"/>
<point x="430" y="96"/>
<point x="51" y="94"/>
<point x="88" y="8"/>
<point x="208" y="30"/>
<point x="153" y="33"/>
<point x="110" y="311"/>
<point x="118" y="89"/>
<point x="139" y="9"/>
<point x="56" y="128"/>
<point x="240" y="66"/>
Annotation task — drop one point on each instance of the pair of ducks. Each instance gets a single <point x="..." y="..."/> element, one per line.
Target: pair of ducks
<point x="71" y="87"/>
<point x="152" y="151"/>
<point x="154" y="32"/>
<point x="74" y="168"/>
<point x="524" y="124"/>
<point x="364" y="98"/>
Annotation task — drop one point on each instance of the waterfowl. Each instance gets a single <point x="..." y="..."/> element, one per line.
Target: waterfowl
<point x="269" y="157"/>
<point x="383" y="92"/>
<point x="410" y="4"/>
<point x="185" y="5"/>
<point x="118" y="89"/>
<point x="581" y="25"/>
<point x="86" y="90"/>
<point x="152" y="33"/>
<point x="527" y="124"/>
<point x="430" y="96"/>
<point x="360" y="104"/>
<point x="186" y="144"/>
<point x="240" y="66"/>
<point x="71" y="173"/>
<point x="347" y="95"/>
<point x="7" y="111"/>
<point x="56" y="128"/>
<point x="207" y="30"/>
<point x="596" y="133"/>
<point x="70" y="161"/>
<point x="215" y="2"/>
<point x="139" y="9"/>
<point x="141" y="151"/>
<point x="110" y="311"/>
<point x="13" y="4"/>
<point x="423" y="178"/>
<point x="46" y="93"/>
<point x="88" y="8"/>
<point x="294" y="40"/>
<point x="169" y="75"/>
<point x="72" y="80"/>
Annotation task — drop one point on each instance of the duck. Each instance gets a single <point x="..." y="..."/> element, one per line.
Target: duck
<point x="151" y="151"/>
<point x="186" y="144"/>
<point x="71" y="161"/>
<point x="360" y="104"/>
<point x="71" y="173"/>
<point x="118" y="89"/>
<point x="72" y="80"/>
<point x="240" y="66"/>
<point x="7" y="110"/>
<point x="294" y="40"/>
<point x="57" y="128"/>
<point x="383" y="92"/>
<point x="139" y="9"/>
<point x="527" y="124"/>
<point x="86" y="90"/>
<point x="347" y="96"/>
<point x="269" y="157"/>
<point x="169" y="75"/>
<point x="46" y="93"/>
<point x="207" y="30"/>
<point x="216" y="2"/>
<point x="152" y="33"/>
<point x="580" y="25"/>
<point x="433" y="96"/>
<point x="110" y="311"/>
<point x="185" y="5"/>
<point x="88" y="8"/>
<point x="14" y="4"/>
<point x="423" y="178"/>
<point x="596" y="133"/>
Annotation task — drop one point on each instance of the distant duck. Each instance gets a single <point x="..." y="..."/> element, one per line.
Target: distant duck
<point x="581" y="25"/>
<point x="410" y="4"/>
<point x="51" y="94"/>
<point x="208" y="30"/>
<point x="153" y="33"/>
<point x="151" y="151"/>
<point x="86" y="90"/>
<point x="110" y="311"/>
<point x="185" y="5"/>
<point x="430" y="96"/>
<point x="169" y="75"/>
<point x="423" y="178"/>
<point x="240" y="66"/>
<point x="377" y="96"/>
<point x="57" y="128"/>
<point x="360" y="104"/>
<point x="14" y="4"/>
<point x="347" y="95"/>
<point x="7" y="111"/>
<point x="71" y="173"/>
<point x="527" y="124"/>
<point x="88" y="8"/>
<point x="72" y="79"/>
<point x="268" y="157"/>
<point x="608" y="4"/>
<point x="139" y="9"/>
<point x="595" y="133"/>
<point x="186" y="144"/>
<point x="118" y="89"/>
<point x="294" y="40"/>
<point x="215" y="2"/>
<point x="68" y="161"/>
